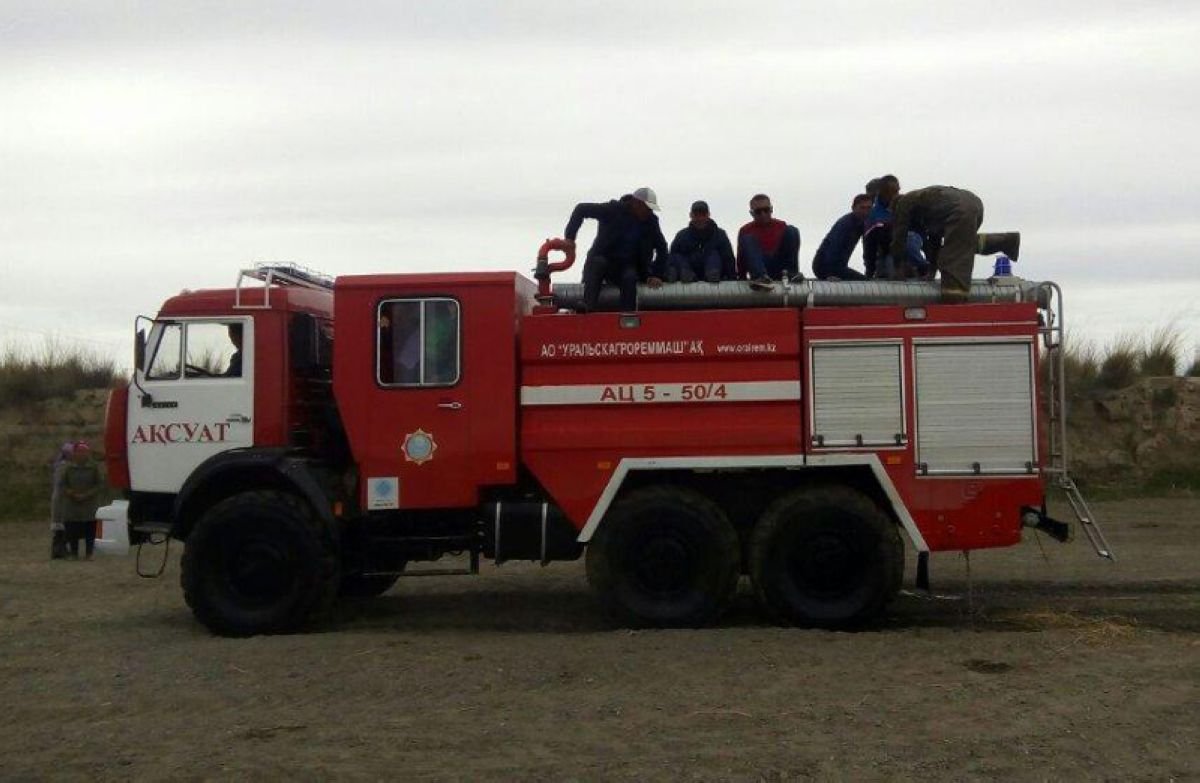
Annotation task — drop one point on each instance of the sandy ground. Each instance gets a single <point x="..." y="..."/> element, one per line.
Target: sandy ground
<point x="1054" y="666"/>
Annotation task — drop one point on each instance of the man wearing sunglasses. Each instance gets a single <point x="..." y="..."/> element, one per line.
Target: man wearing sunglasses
<point x="768" y="249"/>
<point x="629" y="246"/>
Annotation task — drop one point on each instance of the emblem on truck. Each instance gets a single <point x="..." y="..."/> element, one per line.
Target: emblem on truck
<point x="419" y="446"/>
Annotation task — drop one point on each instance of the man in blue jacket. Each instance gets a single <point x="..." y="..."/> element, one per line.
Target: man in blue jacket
<point x="832" y="260"/>
<point x="877" y="237"/>
<point x="702" y="250"/>
<point x="629" y="246"/>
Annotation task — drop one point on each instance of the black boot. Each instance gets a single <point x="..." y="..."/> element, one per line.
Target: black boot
<point x="1008" y="243"/>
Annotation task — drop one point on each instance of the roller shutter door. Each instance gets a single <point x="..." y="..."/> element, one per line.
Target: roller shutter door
<point x="856" y="395"/>
<point x="974" y="408"/>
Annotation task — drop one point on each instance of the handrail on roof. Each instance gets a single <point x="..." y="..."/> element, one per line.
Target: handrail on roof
<point x="279" y="275"/>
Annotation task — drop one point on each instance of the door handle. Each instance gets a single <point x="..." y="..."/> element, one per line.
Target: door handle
<point x="454" y="406"/>
<point x="237" y="418"/>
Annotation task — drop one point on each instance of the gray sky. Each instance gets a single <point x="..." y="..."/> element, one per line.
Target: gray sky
<point x="147" y="147"/>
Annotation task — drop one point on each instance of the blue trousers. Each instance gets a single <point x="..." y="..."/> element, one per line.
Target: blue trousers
<point x="885" y="267"/>
<point x="785" y="260"/>
<point x="687" y="268"/>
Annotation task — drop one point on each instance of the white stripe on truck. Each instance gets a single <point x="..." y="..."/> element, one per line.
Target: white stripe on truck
<point x="641" y="393"/>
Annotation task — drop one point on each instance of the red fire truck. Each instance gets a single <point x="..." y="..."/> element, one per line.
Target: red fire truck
<point x="309" y="438"/>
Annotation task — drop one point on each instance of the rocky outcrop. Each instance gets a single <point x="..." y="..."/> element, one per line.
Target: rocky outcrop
<point x="1143" y="437"/>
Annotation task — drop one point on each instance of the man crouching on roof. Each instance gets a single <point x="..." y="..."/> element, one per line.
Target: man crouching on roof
<point x="950" y="217"/>
<point x="629" y="246"/>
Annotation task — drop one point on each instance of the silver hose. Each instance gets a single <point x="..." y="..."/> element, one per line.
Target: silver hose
<point x="737" y="294"/>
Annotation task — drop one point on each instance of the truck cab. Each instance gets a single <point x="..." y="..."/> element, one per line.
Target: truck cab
<point x="220" y="372"/>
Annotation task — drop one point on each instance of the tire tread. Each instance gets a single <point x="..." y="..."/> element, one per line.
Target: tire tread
<point x="320" y="588"/>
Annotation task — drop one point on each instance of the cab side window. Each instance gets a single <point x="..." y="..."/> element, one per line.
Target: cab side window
<point x="214" y="350"/>
<point x="418" y="342"/>
<point x="196" y="349"/>
<point x="164" y="364"/>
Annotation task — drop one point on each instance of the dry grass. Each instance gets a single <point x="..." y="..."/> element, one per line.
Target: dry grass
<point x="1194" y="370"/>
<point x="1125" y="361"/>
<point x="29" y="376"/>
<point x="1121" y="362"/>
<point x="1160" y="356"/>
<point x="1081" y="363"/>
<point x="1092" y="631"/>
<point x="47" y="397"/>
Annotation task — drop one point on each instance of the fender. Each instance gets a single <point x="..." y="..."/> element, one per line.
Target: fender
<point x="795" y="461"/>
<point x="248" y="469"/>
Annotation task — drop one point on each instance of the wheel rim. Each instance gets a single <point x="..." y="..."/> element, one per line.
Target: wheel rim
<point x="258" y="570"/>
<point x="827" y="564"/>
<point x="663" y="562"/>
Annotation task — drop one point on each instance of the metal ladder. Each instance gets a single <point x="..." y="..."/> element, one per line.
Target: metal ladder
<point x="279" y="274"/>
<point x="1053" y="339"/>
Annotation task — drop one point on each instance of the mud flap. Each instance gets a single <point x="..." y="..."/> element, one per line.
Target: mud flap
<point x="1059" y="531"/>
<point x="1039" y="520"/>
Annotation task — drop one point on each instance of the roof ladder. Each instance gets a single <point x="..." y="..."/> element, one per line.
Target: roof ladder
<point x="1053" y="335"/>
<point x="278" y="274"/>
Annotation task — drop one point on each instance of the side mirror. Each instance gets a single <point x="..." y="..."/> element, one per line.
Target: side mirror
<point x="139" y="356"/>
<point x="139" y="350"/>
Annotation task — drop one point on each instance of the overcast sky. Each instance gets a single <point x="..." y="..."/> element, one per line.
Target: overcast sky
<point x="147" y="147"/>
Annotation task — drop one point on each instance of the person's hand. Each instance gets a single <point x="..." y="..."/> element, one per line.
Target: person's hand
<point x="654" y="282"/>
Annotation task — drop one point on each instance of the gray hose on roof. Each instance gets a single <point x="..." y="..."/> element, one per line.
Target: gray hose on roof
<point x="737" y="294"/>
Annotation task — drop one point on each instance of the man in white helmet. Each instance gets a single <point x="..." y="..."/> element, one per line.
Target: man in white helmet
<point x="629" y="246"/>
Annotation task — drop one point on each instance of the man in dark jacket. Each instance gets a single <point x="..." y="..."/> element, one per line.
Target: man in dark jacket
<point x="832" y="260"/>
<point x="951" y="217"/>
<point x="702" y="250"/>
<point x="629" y="246"/>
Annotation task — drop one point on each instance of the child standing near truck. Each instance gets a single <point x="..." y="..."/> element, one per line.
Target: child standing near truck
<point x="58" y="534"/>
<point x="79" y="487"/>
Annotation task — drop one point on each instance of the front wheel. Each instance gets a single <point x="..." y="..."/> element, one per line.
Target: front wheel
<point x="258" y="563"/>
<point x="826" y="557"/>
<point x="664" y="556"/>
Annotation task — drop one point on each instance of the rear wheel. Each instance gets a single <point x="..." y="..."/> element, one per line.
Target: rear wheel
<point x="258" y="562"/>
<point x="665" y="556"/>
<point x="826" y="557"/>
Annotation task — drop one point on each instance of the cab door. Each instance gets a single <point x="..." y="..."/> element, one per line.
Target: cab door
<point x="423" y="423"/>
<point x="192" y="399"/>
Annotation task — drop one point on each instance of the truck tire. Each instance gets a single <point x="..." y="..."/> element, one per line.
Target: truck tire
<point x="363" y="586"/>
<point x="825" y="557"/>
<point x="258" y="563"/>
<point x="664" y="557"/>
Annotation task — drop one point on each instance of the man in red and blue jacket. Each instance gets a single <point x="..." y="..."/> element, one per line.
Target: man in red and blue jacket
<point x="768" y="249"/>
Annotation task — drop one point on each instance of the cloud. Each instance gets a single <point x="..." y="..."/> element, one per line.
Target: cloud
<point x="163" y="146"/>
